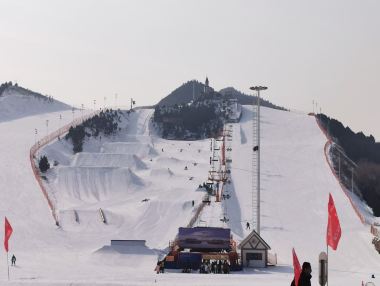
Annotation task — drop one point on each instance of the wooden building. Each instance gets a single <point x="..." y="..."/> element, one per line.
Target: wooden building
<point x="254" y="251"/>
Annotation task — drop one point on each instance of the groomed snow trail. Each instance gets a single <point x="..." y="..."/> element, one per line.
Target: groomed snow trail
<point x="296" y="181"/>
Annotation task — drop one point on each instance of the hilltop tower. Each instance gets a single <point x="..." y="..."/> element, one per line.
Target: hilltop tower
<point x="207" y="88"/>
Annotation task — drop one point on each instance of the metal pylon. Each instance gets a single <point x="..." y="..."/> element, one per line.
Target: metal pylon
<point x="255" y="169"/>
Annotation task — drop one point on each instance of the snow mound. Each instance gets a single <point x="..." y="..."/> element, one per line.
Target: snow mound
<point x="137" y="148"/>
<point x="107" y="160"/>
<point x="17" y="102"/>
<point x="94" y="184"/>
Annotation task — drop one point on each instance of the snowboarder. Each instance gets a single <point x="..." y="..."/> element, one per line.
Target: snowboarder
<point x="248" y="226"/>
<point x="13" y="259"/>
<point x="192" y="203"/>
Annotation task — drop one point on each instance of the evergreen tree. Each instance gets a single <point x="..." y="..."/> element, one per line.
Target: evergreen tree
<point x="43" y="164"/>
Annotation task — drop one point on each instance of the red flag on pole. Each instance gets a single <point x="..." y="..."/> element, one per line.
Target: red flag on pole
<point x="7" y="234"/>
<point x="297" y="267"/>
<point x="333" y="227"/>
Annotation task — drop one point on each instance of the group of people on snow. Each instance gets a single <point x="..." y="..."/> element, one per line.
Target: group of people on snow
<point x="215" y="267"/>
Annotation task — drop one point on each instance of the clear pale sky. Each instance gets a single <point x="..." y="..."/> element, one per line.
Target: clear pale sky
<point x="78" y="51"/>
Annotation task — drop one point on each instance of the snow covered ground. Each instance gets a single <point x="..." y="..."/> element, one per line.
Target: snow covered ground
<point x="17" y="102"/>
<point x="116" y="174"/>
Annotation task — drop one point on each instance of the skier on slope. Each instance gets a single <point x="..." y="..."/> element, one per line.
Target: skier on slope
<point x="13" y="259"/>
<point x="248" y="225"/>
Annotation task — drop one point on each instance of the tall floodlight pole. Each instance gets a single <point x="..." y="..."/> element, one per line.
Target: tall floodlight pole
<point x="193" y="93"/>
<point x="258" y="150"/>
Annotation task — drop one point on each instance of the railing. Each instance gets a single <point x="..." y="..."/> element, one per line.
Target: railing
<point x="326" y="151"/>
<point x="103" y="218"/>
<point x="44" y="141"/>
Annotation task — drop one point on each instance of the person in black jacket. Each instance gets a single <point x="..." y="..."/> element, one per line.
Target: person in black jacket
<point x="305" y="275"/>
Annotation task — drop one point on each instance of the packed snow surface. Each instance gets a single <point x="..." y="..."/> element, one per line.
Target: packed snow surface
<point x="141" y="183"/>
<point x="17" y="102"/>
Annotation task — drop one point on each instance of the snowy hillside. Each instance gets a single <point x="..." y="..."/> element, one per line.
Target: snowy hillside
<point x="141" y="183"/>
<point x="17" y="102"/>
<point x="116" y="174"/>
<point x="296" y="181"/>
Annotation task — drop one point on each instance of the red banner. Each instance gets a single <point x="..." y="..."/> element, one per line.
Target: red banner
<point x="334" y="231"/>
<point x="7" y="234"/>
<point x="297" y="268"/>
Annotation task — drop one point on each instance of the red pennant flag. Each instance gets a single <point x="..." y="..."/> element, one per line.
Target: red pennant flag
<point x="7" y="234"/>
<point x="297" y="268"/>
<point x="333" y="227"/>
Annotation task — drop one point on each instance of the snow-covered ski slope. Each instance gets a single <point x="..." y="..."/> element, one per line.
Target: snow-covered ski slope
<point x="16" y="102"/>
<point x="296" y="181"/>
<point x="139" y="181"/>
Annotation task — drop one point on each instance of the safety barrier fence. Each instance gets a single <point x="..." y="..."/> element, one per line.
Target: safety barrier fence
<point x="346" y="192"/>
<point x="44" y="141"/>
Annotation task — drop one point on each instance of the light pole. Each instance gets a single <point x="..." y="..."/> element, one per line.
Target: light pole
<point x="47" y="127"/>
<point x="60" y="121"/>
<point x="258" y="89"/>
